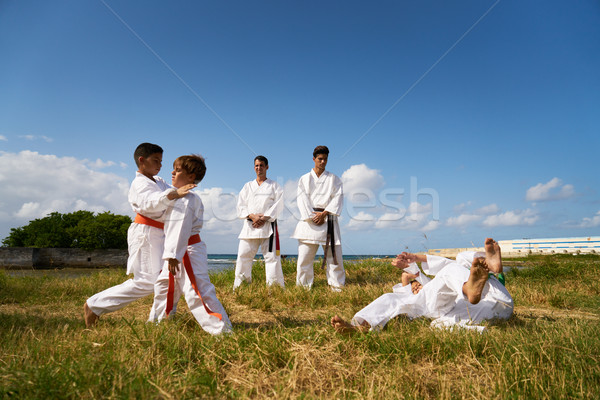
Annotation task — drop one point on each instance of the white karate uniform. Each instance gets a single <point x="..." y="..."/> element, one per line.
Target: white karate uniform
<point x="266" y="199"/>
<point x="183" y="220"/>
<point x="325" y="192"/>
<point x="145" y="245"/>
<point x="441" y="298"/>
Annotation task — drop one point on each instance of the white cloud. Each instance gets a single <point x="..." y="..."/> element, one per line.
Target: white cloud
<point x="361" y="179"/>
<point x="463" y="220"/>
<point x="592" y="222"/>
<point x="35" y="185"/>
<point x="487" y="210"/>
<point x="512" y="218"/>
<point x="361" y="221"/>
<point x="29" y="210"/>
<point x="551" y="190"/>
<point x="290" y="214"/>
<point x="36" y="137"/>
<point x="430" y="226"/>
<point x="461" y="207"/>
<point x="3" y="138"/>
<point x="99" y="164"/>
<point x="220" y="211"/>
<point x="417" y="217"/>
<point x="469" y="218"/>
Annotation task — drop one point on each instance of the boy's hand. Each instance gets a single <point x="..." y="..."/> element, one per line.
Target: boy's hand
<point x="182" y="191"/>
<point x="173" y="266"/>
<point x="400" y="262"/>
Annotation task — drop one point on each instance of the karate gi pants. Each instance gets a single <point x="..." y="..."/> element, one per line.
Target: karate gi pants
<point x="145" y="262"/>
<point x="199" y="262"/>
<point x="336" y="275"/>
<point x="243" y="267"/>
<point x="441" y="298"/>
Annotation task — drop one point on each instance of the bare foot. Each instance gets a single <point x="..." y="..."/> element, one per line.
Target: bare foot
<point x="493" y="258"/>
<point x="88" y="315"/>
<point x="342" y="326"/>
<point x="477" y="279"/>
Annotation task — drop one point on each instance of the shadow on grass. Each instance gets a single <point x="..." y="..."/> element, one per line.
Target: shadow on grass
<point x="21" y="321"/>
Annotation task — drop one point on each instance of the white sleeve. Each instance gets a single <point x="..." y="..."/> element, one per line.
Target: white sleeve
<point x="147" y="199"/>
<point x="435" y="264"/>
<point x="276" y="208"/>
<point x="178" y="228"/>
<point x="336" y="203"/>
<point x="242" y="203"/>
<point x="303" y="200"/>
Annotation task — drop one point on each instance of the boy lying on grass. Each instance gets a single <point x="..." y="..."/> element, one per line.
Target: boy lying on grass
<point x="462" y="293"/>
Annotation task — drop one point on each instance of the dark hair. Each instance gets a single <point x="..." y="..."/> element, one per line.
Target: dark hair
<point x="192" y="164"/>
<point x="145" y="150"/>
<point x="262" y="158"/>
<point x="320" y="150"/>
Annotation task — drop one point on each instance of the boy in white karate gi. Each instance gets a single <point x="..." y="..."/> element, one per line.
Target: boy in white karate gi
<point x="185" y="260"/>
<point x="259" y="204"/>
<point x="462" y="293"/>
<point x="320" y="200"/>
<point x="149" y="196"/>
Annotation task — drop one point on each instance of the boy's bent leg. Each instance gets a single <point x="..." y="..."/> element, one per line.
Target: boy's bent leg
<point x="306" y="259"/>
<point x="208" y="295"/>
<point x="117" y="297"/>
<point x="387" y="306"/>
<point x="159" y="310"/>
<point x="273" y="271"/>
<point x="336" y="275"/>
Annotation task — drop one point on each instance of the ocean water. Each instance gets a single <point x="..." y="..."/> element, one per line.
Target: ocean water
<point x="216" y="263"/>
<point x="220" y="262"/>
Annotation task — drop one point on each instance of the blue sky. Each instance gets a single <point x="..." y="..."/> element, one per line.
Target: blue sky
<point x="447" y="121"/>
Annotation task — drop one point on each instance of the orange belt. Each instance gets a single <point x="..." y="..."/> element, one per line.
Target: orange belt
<point x="140" y="219"/>
<point x="190" y="273"/>
<point x="194" y="239"/>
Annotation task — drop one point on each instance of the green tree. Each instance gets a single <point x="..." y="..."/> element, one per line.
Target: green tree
<point x="80" y="229"/>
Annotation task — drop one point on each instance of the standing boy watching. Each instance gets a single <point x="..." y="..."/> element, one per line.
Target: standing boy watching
<point x="259" y="204"/>
<point x="149" y="196"/>
<point x="320" y="201"/>
<point x="185" y="260"/>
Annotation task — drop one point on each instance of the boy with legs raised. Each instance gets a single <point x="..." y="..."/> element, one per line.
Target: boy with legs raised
<point x="462" y="293"/>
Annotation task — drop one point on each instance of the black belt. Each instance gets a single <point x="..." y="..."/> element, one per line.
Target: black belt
<point x="274" y="235"/>
<point x="330" y="241"/>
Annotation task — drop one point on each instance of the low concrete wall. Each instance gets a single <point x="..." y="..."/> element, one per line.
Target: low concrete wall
<point x="16" y="257"/>
<point x="45" y="258"/>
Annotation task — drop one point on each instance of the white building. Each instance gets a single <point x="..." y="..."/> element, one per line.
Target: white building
<point x="523" y="247"/>
<point x="578" y="245"/>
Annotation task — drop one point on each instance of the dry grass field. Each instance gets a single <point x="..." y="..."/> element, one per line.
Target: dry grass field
<point x="283" y="346"/>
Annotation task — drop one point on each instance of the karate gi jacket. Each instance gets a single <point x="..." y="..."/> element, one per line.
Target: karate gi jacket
<point x="325" y="191"/>
<point x="266" y="199"/>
